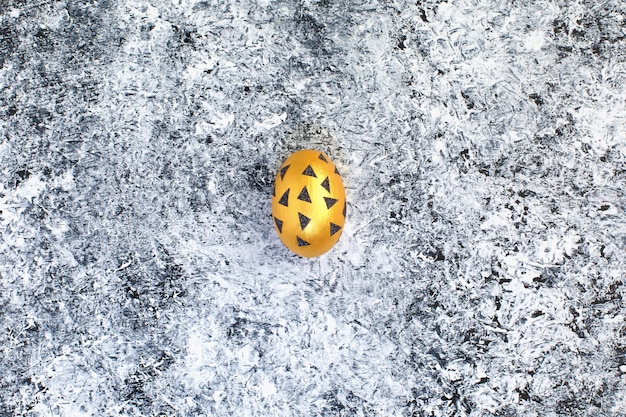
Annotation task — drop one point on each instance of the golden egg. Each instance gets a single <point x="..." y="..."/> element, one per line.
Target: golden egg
<point x="308" y="203"/>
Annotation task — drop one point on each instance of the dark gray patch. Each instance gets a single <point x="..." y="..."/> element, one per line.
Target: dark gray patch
<point x="136" y="391"/>
<point x="304" y="221"/>
<point x="284" y="200"/>
<point x="330" y="202"/>
<point x="308" y="171"/>
<point x="326" y="184"/>
<point x="259" y="176"/>
<point x="304" y="195"/>
<point x="312" y="32"/>
<point x="7" y="43"/>
<point x="279" y="224"/>
<point x="20" y="176"/>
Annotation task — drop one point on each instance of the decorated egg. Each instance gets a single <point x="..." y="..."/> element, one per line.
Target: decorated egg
<point x="308" y="203"/>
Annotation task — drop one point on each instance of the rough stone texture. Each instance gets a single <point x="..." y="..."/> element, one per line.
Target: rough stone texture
<point x="482" y="267"/>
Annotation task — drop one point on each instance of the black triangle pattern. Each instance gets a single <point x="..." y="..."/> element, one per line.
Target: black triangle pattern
<point x="337" y="172"/>
<point x="274" y="190"/>
<point x="334" y="228"/>
<point x="344" y="210"/>
<point x="302" y="242"/>
<point x="284" y="200"/>
<point x="322" y="157"/>
<point x="279" y="224"/>
<point x="330" y="202"/>
<point x="309" y="171"/>
<point x="304" y="220"/>
<point x="283" y="171"/>
<point x="304" y="195"/>
<point x="326" y="184"/>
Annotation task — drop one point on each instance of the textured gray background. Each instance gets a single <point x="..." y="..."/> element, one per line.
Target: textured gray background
<point x="482" y="267"/>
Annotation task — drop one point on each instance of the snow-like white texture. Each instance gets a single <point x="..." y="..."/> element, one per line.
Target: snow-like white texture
<point x="481" y="270"/>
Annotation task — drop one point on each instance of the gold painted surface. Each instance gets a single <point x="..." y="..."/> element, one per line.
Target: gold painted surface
<point x="308" y="229"/>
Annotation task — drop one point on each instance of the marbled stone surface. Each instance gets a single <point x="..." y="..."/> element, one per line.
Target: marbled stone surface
<point x="481" y="271"/>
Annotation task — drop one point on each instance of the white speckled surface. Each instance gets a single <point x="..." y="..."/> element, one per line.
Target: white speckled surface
<point x="481" y="271"/>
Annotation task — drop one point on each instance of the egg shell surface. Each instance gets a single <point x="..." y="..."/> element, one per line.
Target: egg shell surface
<point x="308" y="203"/>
